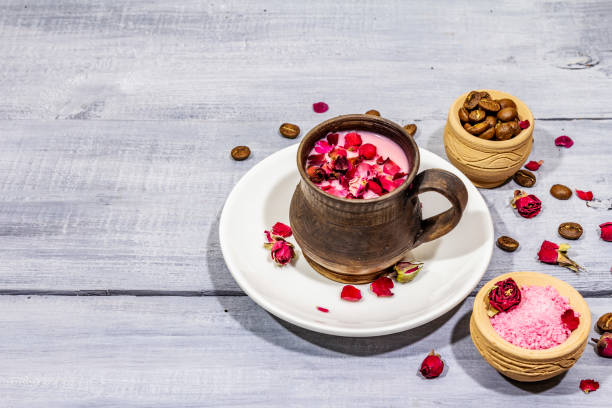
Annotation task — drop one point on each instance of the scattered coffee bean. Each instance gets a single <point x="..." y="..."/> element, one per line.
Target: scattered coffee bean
<point x="373" y="112"/>
<point x="411" y="128"/>
<point x="570" y="230"/>
<point x="241" y="153"/>
<point x="477" y="115"/>
<point x="507" y="244"/>
<point x="507" y="114"/>
<point x="560" y="192"/>
<point x="604" y="323"/>
<point x="471" y="101"/>
<point x="503" y="131"/>
<point x="289" y="130"/>
<point x="506" y="103"/>
<point x="489" y="105"/>
<point x="488" y="134"/>
<point x="524" y="178"/>
<point x="463" y="115"/>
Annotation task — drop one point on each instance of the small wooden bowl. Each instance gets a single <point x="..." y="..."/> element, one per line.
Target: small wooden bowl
<point x="522" y="364"/>
<point x="487" y="163"/>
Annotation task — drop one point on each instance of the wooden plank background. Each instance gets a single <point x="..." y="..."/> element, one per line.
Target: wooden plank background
<point x="116" y="121"/>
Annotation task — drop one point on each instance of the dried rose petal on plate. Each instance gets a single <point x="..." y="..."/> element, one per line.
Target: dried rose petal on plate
<point x="350" y="293"/>
<point x="606" y="231"/>
<point x="564" y="141"/>
<point x="534" y="165"/>
<point x="320" y="107"/>
<point x="570" y="319"/>
<point x="588" y="385"/>
<point x="322" y="309"/>
<point x="382" y="287"/>
<point x="584" y="195"/>
<point x="432" y="366"/>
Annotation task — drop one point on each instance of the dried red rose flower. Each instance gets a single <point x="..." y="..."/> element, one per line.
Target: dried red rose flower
<point x="322" y="309"/>
<point x="524" y="124"/>
<point x="604" y="345"/>
<point x="382" y="287"/>
<point x="320" y="107"/>
<point x="505" y="295"/>
<point x="282" y="230"/>
<point x="350" y="293"/>
<point x="352" y="141"/>
<point x="588" y="385"/>
<point x="315" y="174"/>
<point x="282" y="252"/>
<point x="552" y="253"/>
<point x="367" y="151"/>
<point x="564" y="141"/>
<point x="432" y="366"/>
<point x="534" y="165"/>
<point x="332" y="138"/>
<point x="528" y="206"/>
<point x="570" y="319"/>
<point x="584" y="195"/>
<point x="606" y="231"/>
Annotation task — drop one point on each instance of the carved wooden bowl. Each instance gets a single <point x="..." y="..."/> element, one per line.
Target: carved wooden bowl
<point x="522" y="364"/>
<point x="487" y="163"/>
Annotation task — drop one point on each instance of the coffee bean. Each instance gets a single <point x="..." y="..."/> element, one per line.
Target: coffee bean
<point x="489" y="105"/>
<point x="477" y="115"/>
<point x="488" y="134"/>
<point x="560" y="192"/>
<point x="478" y="128"/>
<point x="289" y="130"/>
<point x="524" y="178"/>
<point x="507" y="244"/>
<point x="506" y="103"/>
<point x="516" y="129"/>
<point x="467" y="126"/>
<point x="570" y="230"/>
<point x="484" y="95"/>
<point x="411" y="128"/>
<point x="491" y="120"/>
<point x="471" y="101"/>
<point x="507" y="114"/>
<point x="463" y="114"/>
<point x="373" y="112"/>
<point x="241" y="153"/>
<point x="604" y="323"/>
<point x="503" y="131"/>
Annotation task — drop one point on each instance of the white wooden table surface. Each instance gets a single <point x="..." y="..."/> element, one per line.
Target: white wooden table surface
<point x="116" y="121"/>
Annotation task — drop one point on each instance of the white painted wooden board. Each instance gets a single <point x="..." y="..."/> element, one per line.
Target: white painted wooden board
<point x="134" y="205"/>
<point x="169" y="352"/>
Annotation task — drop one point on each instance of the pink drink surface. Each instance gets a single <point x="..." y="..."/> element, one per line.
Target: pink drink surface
<point x="365" y="166"/>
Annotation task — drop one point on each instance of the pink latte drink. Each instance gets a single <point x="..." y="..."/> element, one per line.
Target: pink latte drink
<point x="357" y="164"/>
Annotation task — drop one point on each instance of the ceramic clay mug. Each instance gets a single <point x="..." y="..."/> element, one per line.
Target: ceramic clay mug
<point x="356" y="241"/>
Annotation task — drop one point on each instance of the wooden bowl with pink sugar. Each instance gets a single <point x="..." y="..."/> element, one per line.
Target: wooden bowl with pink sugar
<point x="519" y="362"/>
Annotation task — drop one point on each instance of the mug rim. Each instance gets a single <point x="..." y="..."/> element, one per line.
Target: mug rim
<point x="315" y="132"/>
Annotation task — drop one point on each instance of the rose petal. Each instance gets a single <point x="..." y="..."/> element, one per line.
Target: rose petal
<point x="588" y="385"/>
<point x="524" y="124"/>
<point x="332" y="138"/>
<point x="323" y="147"/>
<point x="382" y="287"/>
<point x="364" y="170"/>
<point x="606" y="232"/>
<point x="322" y="309"/>
<point x="281" y="229"/>
<point x="268" y="236"/>
<point x="352" y="140"/>
<point x="564" y="141"/>
<point x="533" y="165"/>
<point x="584" y="195"/>
<point x="387" y="184"/>
<point x="390" y="167"/>
<point x="367" y="151"/>
<point x="316" y="159"/>
<point x="357" y="186"/>
<point x="350" y="293"/>
<point x="548" y="253"/>
<point x="320" y="107"/>
<point x="570" y="319"/>
<point x="374" y="187"/>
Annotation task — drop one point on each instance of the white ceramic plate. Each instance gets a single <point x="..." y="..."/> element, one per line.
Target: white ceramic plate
<point x="454" y="264"/>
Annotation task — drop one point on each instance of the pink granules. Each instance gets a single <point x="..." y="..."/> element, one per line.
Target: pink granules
<point x="535" y="323"/>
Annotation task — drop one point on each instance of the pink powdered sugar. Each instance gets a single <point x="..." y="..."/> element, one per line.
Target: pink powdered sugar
<point x="535" y="323"/>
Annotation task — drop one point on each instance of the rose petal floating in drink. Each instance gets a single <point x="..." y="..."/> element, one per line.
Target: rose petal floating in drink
<point x="320" y="107"/>
<point x="432" y="366"/>
<point x="382" y="287"/>
<point x="323" y="147"/>
<point x="588" y="385"/>
<point x="584" y="195"/>
<point x="564" y="141"/>
<point x="570" y="319"/>
<point x="367" y="151"/>
<point x="350" y="293"/>
<point x="352" y="141"/>
<point x="332" y="138"/>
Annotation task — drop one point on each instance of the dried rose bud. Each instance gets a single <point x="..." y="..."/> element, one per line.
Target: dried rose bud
<point x="606" y="231"/>
<point x="588" y="385"/>
<point x="315" y="174"/>
<point x="432" y="366"/>
<point x="504" y="296"/>
<point x="282" y="252"/>
<point x="528" y="206"/>
<point x="604" y="345"/>
<point x="554" y="254"/>
<point x="407" y="271"/>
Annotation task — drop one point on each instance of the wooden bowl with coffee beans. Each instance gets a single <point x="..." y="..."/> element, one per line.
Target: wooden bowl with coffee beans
<point x="488" y="136"/>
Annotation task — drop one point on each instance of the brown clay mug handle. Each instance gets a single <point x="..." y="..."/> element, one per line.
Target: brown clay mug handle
<point x="451" y="187"/>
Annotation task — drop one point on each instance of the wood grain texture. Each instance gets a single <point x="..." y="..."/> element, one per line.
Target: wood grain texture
<point x="134" y="205"/>
<point x="169" y="352"/>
